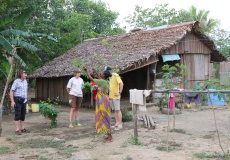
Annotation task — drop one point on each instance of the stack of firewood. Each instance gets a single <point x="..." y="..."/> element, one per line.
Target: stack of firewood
<point x="148" y="121"/>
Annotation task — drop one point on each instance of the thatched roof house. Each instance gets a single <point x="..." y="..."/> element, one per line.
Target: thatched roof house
<point x="132" y="51"/>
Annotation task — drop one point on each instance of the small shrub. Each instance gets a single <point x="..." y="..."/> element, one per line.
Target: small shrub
<point x="134" y="140"/>
<point x="126" y="116"/>
<point x="47" y="109"/>
<point x="87" y="88"/>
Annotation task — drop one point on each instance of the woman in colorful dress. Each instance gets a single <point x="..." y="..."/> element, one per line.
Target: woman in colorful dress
<point x="103" y="112"/>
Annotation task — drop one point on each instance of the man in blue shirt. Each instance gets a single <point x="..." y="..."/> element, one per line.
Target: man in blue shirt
<point x="18" y="96"/>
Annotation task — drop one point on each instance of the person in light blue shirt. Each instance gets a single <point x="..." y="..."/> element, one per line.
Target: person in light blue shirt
<point x="18" y="97"/>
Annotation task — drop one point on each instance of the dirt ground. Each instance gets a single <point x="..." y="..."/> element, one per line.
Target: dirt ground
<point x="196" y="137"/>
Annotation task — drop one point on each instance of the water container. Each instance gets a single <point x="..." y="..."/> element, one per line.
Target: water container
<point x="35" y="108"/>
<point x="215" y="100"/>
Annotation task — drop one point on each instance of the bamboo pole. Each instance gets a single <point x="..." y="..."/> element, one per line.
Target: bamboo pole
<point x="217" y="131"/>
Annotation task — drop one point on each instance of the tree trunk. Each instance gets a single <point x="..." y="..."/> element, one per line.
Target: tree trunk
<point x="11" y="59"/>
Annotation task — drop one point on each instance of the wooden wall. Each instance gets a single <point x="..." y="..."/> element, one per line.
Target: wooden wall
<point x="195" y="55"/>
<point x="224" y="73"/>
<point x="52" y="88"/>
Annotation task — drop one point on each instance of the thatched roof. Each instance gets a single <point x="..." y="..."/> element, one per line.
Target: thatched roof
<point x="125" y="52"/>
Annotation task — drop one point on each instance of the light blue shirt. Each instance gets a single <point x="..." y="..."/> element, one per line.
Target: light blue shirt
<point x="19" y="88"/>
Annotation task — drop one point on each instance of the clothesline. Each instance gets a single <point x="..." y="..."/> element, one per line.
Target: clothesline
<point x="189" y="91"/>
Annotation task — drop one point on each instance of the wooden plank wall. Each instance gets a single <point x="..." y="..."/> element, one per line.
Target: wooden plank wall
<point x="189" y="43"/>
<point x="196" y="58"/>
<point x="224" y="73"/>
<point x="52" y="88"/>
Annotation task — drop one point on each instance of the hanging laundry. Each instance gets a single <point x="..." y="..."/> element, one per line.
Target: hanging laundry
<point x="171" y="101"/>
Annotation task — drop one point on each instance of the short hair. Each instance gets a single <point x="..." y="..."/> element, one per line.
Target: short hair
<point x="107" y="74"/>
<point x="20" y="73"/>
<point x="78" y="70"/>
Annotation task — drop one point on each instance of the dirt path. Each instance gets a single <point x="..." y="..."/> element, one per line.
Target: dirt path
<point x="83" y="143"/>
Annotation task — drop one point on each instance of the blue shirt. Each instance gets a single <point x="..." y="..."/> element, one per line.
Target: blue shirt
<point x="19" y="88"/>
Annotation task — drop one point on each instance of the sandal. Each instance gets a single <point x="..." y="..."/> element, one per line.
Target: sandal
<point x="115" y="126"/>
<point x="108" y="140"/>
<point x="118" y="128"/>
<point x="18" y="132"/>
<point x="25" y="131"/>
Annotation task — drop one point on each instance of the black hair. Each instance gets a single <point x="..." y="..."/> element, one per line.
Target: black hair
<point x="107" y="68"/>
<point x="107" y="74"/>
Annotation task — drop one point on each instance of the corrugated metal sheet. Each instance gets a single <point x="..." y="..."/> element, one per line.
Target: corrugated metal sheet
<point x="171" y="57"/>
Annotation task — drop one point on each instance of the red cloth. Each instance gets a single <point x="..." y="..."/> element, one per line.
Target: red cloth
<point x="94" y="90"/>
<point x="171" y="101"/>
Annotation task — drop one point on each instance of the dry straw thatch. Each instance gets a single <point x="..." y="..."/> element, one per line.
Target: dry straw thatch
<point x="125" y="51"/>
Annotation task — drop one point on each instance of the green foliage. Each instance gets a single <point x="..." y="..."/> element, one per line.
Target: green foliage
<point x="207" y="24"/>
<point x="163" y="15"/>
<point x="221" y="38"/>
<point x="87" y="88"/>
<point x="48" y="110"/>
<point x="168" y="74"/>
<point x="4" y="150"/>
<point x="126" y="116"/>
<point x="159" y="15"/>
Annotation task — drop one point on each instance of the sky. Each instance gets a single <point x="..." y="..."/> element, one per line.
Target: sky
<point x="218" y="8"/>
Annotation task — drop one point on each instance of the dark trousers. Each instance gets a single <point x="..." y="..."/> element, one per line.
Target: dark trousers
<point x="20" y="109"/>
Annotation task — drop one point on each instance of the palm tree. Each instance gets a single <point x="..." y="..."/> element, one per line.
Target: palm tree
<point x="207" y="24"/>
<point x="12" y="40"/>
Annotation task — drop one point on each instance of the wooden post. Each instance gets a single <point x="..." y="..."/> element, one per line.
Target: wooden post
<point x="91" y="98"/>
<point x="153" y="94"/>
<point x="135" y="120"/>
<point x="168" y="95"/>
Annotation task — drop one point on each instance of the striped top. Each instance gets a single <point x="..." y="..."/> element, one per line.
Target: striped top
<point x="20" y="88"/>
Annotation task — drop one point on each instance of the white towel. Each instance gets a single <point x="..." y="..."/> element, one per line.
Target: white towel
<point x="136" y="96"/>
<point x="146" y="94"/>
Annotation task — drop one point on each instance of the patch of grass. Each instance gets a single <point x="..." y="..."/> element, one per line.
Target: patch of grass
<point x="125" y="144"/>
<point x="42" y="158"/>
<point x="116" y="153"/>
<point x="127" y="158"/>
<point x="133" y="141"/>
<point x="178" y="131"/>
<point x="126" y="116"/>
<point x="211" y="155"/>
<point x="49" y="143"/>
<point x="164" y="148"/>
<point x="10" y="138"/>
<point x="4" y="150"/>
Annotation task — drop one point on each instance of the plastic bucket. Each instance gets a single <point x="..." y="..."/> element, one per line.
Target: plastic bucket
<point x="35" y="108"/>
